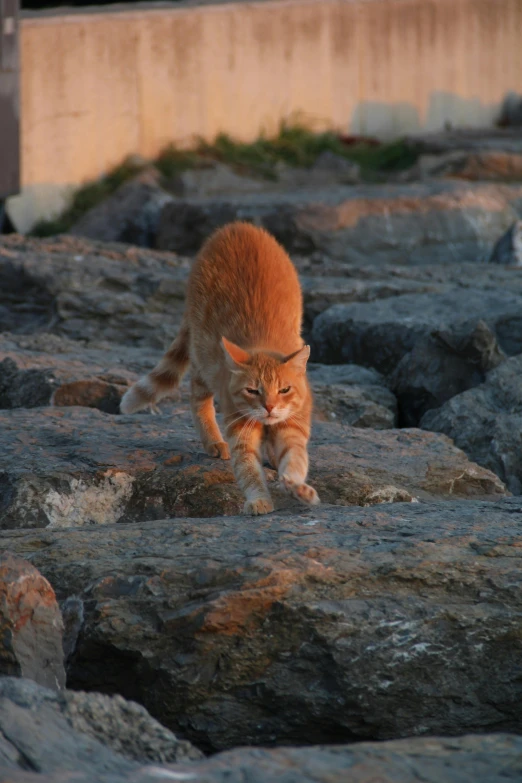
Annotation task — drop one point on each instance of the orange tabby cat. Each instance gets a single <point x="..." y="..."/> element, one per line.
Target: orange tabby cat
<point x="241" y="336"/>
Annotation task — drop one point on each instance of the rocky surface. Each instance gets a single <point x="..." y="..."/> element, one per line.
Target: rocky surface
<point x="76" y="466"/>
<point x="30" y="624"/>
<point x="131" y="214"/>
<point x="331" y="624"/>
<point x="379" y="334"/>
<point x="490" y="165"/>
<point x="482" y="759"/>
<point x="352" y="395"/>
<point x="486" y="422"/>
<point x="391" y="610"/>
<point x="442" y="365"/>
<point x="469" y="139"/>
<point x="415" y="224"/>
<point x="92" y="734"/>
<point x="508" y="249"/>
<point x="90" y="291"/>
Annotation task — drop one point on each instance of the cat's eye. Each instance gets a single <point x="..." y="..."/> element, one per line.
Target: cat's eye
<point x="285" y="391"/>
<point x="252" y="391"/>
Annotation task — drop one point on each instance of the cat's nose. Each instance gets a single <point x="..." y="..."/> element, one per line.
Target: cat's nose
<point x="269" y="407"/>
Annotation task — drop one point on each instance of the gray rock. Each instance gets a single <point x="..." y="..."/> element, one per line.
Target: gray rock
<point x="442" y="365"/>
<point x="328" y="170"/>
<point x="352" y="395"/>
<point x="342" y="169"/>
<point x="346" y="374"/>
<point x="79" y="732"/>
<point x="426" y="223"/>
<point x="34" y="378"/>
<point x="511" y="112"/>
<point x="24" y="388"/>
<point x="467" y="139"/>
<point x="508" y="249"/>
<point x="30" y="624"/>
<point x="78" y="466"/>
<point x="322" y="625"/>
<point x="486" y="422"/>
<point x="91" y="292"/>
<point x="484" y="759"/>
<point x="489" y="165"/>
<point x="357" y="406"/>
<point x="379" y="334"/>
<point x="212" y="180"/>
<point x="130" y="214"/>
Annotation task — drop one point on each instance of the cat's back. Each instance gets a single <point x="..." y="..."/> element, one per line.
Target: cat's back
<point x="242" y="277"/>
<point x="246" y="250"/>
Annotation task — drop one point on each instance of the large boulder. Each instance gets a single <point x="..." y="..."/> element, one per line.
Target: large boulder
<point x="444" y="364"/>
<point x="424" y="223"/>
<point x="30" y="624"/>
<point x="91" y="292"/>
<point x="78" y="466"/>
<point x="378" y="334"/>
<point x="322" y="625"/>
<point x="486" y="422"/>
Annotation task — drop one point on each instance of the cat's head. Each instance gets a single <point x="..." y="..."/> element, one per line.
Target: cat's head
<point x="266" y="387"/>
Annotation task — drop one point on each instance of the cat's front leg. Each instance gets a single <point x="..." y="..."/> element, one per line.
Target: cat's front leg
<point x="290" y="442"/>
<point x="244" y="440"/>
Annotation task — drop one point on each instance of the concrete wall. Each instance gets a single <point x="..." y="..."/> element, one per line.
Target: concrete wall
<point x="99" y="85"/>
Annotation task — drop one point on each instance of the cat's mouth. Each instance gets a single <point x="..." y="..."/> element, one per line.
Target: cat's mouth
<point x="269" y="418"/>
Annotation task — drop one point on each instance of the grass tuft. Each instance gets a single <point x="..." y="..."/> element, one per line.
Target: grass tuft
<point x="295" y="145"/>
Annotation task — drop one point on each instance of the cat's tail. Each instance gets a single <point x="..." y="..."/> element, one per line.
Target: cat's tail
<point x="163" y="379"/>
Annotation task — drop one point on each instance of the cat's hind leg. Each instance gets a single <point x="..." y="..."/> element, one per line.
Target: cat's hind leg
<point x="204" y="415"/>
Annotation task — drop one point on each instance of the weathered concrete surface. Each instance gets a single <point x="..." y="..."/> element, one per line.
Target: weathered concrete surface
<point x="331" y="624"/>
<point x="379" y="334"/>
<point x="342" y="66"/>
<point x="78" y="466"/>
<point x="486" y="422"/>
<point x="422" y="223"/>
<point x="30" y="624"/>
<point x="87" y="733"/>
<point x="472" y="759"/>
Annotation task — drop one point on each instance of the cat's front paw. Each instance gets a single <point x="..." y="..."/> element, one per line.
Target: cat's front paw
<point x="259" y="506"/>
<point x="219" y="450"/>
<point x="303" y="492"/>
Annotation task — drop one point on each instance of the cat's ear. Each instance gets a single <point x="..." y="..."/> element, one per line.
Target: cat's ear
<point x="297" y="361"/>
<point x="234" y="355"/>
